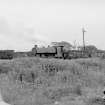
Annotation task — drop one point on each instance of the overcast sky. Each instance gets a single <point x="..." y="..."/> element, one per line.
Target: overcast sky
<point x="25" y="22"/>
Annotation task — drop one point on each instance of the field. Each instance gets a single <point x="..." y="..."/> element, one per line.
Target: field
<point x="37" y="81"/>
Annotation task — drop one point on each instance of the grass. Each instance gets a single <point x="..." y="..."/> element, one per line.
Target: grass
<point x="37" y="81"/>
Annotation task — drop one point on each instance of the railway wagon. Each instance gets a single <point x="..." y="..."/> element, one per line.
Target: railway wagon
<point x="73" y="54"/>
<point x="6" y="54"/>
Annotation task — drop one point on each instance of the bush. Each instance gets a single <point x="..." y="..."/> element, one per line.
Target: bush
<point x="95" y="101"/>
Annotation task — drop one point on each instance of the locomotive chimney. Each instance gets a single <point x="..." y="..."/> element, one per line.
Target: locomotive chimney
<point x="35" y="46"/>
<point x="34" y="50"/>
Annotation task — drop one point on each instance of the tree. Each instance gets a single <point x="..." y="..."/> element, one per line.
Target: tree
<point x="91" y="48"/>
<point x="62" y="43"/>
<point x="67" y="45"/>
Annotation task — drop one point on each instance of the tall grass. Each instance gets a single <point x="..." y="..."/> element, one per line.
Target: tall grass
<point x="28" y="81"/>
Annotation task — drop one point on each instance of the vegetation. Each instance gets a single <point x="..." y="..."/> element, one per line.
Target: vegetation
<point x="67" y="45"/>
<point x="89" y="48"/>
<point x="40" y="81"/>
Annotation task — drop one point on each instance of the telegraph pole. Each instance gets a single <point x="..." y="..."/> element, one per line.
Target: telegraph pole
<point x="83" y="31"/>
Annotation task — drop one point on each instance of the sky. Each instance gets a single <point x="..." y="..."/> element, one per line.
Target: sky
<point x="24" y="23"/>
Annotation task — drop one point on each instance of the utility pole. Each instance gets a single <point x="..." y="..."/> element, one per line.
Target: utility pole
<point x="83" y="31"/>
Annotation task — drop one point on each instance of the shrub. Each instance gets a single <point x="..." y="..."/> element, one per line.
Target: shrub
<point x="95" y="101"/>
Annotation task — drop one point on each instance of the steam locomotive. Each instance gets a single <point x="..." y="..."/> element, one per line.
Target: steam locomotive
<point x="59" y="52"/>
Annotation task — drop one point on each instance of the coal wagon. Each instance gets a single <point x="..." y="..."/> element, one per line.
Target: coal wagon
<point x="74" y="54"/>
<point x="6" y="54"/>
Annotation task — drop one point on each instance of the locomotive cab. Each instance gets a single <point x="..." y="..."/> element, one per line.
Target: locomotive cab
<point x="59" y="51"/>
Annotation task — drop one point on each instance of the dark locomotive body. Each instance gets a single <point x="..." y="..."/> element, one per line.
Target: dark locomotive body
<point x="54" y="51"/>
